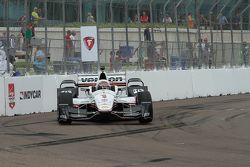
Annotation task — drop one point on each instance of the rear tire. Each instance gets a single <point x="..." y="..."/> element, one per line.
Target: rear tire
<point x="144" y="99"/>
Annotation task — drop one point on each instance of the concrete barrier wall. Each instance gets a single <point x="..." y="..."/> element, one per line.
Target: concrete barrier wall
<point x="2" y="99"/>
<point x="220" y="82"/>
<point x="168" y="85"/>
<point x="23" y="95"/>
<point x="29" y="94"/>
<point x="163" y="85"/>
<point x="241" y="80"/>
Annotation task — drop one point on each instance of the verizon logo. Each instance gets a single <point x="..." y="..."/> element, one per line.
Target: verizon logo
<point x="95" y="79"/>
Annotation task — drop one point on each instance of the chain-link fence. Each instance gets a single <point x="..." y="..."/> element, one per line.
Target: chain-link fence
<point x="132" y="35"/>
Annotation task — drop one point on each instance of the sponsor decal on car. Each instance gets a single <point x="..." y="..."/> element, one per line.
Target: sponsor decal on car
<point x="135" y="91"/>
<point x="95" y="79"/>
<point x="11" y="95"/>
<point x="66" y="91"/>
<point x="85" y="81"/>
<point x="104" y="100"/>
<point x="89" y="79"/>
<point x="33" y="94"/>
<point x="104" y="108"/>
<point x="115" y="79"/>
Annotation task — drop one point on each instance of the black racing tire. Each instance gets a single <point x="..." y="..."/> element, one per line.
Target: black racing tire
<point x="64" y="102"/>
<point x="112" y="88"/>
<point x="93" y="89"/>
<point x="145" y="97"/>
<point x="66" y="95"/>
<point x="63" y="121"/>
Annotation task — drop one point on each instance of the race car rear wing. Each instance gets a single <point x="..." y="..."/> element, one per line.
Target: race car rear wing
<point x="68" y="82"/>
<point x="115" y="79"/>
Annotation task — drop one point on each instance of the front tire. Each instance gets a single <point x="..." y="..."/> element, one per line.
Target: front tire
<point x="65" y="102"/>
<point x="65" y="122"/>
<point x="63" y="117"/>
<point x="144" y="99"/>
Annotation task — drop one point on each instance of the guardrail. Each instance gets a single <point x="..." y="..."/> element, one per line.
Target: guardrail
<point x="29" y="94"/>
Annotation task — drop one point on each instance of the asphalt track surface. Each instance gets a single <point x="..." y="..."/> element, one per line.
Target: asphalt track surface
<point x="202" y="132"/>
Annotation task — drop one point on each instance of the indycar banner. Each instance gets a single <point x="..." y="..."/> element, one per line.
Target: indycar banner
<point x="2" y="100"/>
<point x="89" y="43"/>
<point x="23" y="95"/>
<point x="116" y="79"/>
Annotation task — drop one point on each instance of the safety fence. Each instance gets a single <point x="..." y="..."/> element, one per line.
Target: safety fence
<point x="121" y="55"/>
<point x="133" y="34"/>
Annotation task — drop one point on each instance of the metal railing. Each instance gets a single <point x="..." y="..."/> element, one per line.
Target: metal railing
<point x="122" y="44"/>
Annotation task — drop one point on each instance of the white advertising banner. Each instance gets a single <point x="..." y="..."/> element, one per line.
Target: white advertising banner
<point x="2" y="97"/>
<point x="89" y="51"/>
<point x="23" y="95"/>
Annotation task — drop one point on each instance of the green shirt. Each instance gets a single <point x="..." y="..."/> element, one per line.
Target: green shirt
<point x="28" y="34"/>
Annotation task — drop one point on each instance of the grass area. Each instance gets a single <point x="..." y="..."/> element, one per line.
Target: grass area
<point x="21" y="67"/>
<point x="21" y="64"/>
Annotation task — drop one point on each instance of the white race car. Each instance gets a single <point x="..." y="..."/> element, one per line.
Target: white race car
<point x="104" y="97"/>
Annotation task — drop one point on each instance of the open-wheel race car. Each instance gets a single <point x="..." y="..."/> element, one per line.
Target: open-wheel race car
<point x="104" y="97"/>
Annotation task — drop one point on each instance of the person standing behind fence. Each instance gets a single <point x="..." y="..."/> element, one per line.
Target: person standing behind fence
<point x="21" y="35"/>
<point x="237" y="22"/>
<point x="69" y="44"/>
<point x="35" y="17"/>
<point x="73" y="39"/>
<point x="90" y="18"/>
<point x="244" y="54"/>
<point x="222" y="21"/>
<point x="21" y="21"/>
<point x="111" y="60"/>
<point x="3" y="62"/>
<point x="12" y="49"/>
<point x="40" y="60"/>
<point x="206" y="51"/>
<point x="199" y="59"/>
<point x="28" y="35"/>
<point x="167" y="19"/>
<point x="144" y="18"/>
<point x="203" y="21"/>
<point x="190" y="21"/>
<point x="135" y="18"/>
<point x="147" y="36"/>
<point x="41" y="17"/>
<point x="28" y="47"/>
